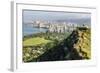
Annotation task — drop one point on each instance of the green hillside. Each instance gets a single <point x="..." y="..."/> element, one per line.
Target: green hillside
<point x="35" y="41"/>
<point x="75" y="45"/>
<point x="80" y="41"/>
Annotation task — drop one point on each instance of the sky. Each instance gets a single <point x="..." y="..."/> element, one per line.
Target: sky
<point x="79" y="18"/>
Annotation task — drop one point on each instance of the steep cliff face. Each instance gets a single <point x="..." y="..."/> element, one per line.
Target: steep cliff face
<point x="79" y="43"/>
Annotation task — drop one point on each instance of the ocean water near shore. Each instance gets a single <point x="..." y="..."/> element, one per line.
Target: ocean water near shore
<point x="28" y="30"/>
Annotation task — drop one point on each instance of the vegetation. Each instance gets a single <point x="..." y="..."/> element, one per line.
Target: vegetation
<point x="35" y="41"/>
<point x="54" y="46"/>
<point x="37" y="44"/>
<point x="79" y="43"/>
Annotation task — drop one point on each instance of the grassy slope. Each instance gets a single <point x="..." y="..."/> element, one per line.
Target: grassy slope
<point x="80" y="40"/>
<point x="35" y="41"/>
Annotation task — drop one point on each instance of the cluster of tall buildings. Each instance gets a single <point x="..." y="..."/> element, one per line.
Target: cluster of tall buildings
<point x="59" y="27"/>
